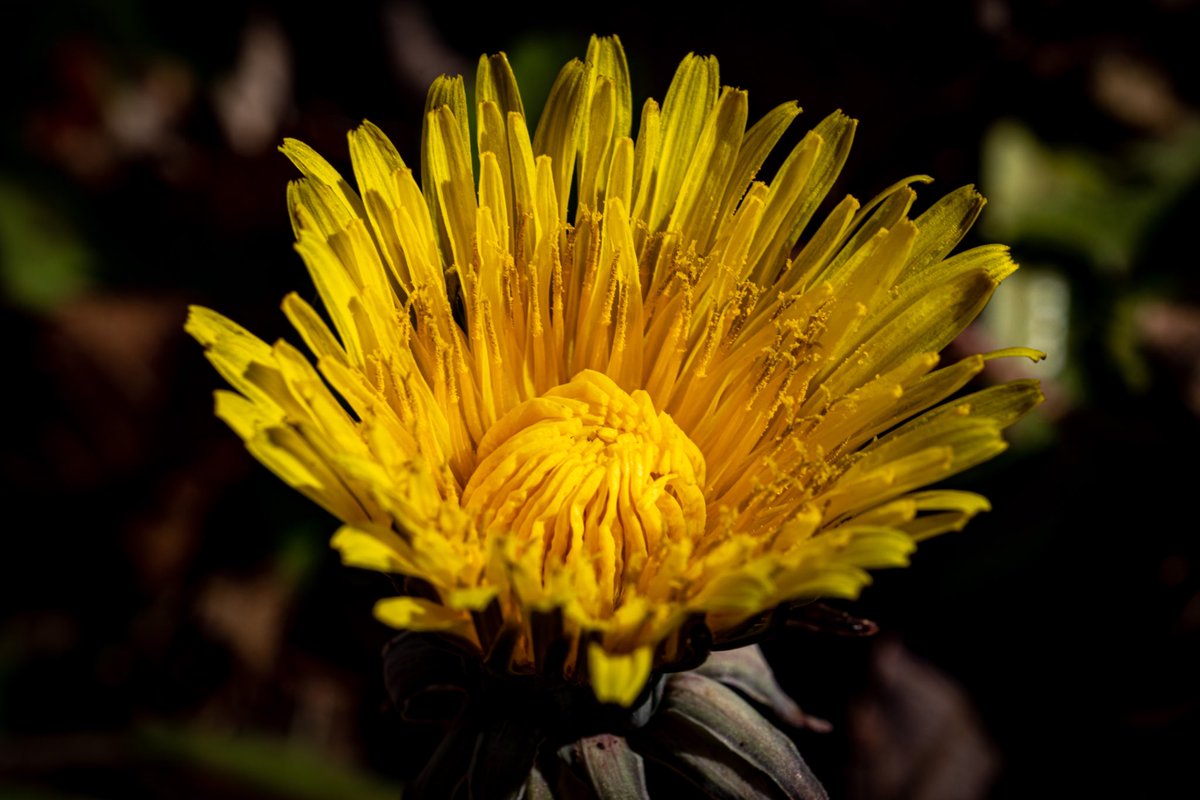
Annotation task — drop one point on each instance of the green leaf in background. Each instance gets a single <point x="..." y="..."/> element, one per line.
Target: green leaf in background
<point x="1033" y="307"/>
<point x="42" y="260"/>
<point x="536" y="59"/>
<point x="271" y="765"/>
<point x="16" y="792"/>
<point x="1080" y="202"/>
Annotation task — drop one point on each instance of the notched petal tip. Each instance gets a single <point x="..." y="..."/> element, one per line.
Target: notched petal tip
<point x="619" y="678"/>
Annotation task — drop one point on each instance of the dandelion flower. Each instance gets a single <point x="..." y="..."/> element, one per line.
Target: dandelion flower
<point x="611" y="402"/>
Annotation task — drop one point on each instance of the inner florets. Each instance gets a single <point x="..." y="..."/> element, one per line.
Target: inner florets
<point x="596" y="474"/>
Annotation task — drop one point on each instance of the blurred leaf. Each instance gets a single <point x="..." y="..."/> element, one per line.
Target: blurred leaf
<point x="272" y="765"/>
<point x="12" y="792"/>
<point x="299" y="552"/>
<point x="917" y="736"/>
<point x="42" y="261"/>
<point x="536" y="59"/>
<point x="1080" y="202"/>
<point x="1125" y="344"/>
<point x="1033" y="307"/>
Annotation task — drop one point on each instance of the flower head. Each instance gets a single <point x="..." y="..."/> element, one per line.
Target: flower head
<point x="604" y="441"/>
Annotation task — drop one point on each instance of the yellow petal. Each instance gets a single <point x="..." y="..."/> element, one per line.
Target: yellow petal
<point x="558" y="130"/>
<point x="692" y="95"/>
<point x="618" y="677"/>
<point x="416" y="614"/>
<point x="756" y="145"/>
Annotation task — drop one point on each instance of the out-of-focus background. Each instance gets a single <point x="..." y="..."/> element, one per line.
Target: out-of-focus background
<point x="172" y="622"/>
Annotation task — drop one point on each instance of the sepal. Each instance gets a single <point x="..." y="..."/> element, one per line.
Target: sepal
<point x="746" y="671"/>
<point x="717" y="741"/>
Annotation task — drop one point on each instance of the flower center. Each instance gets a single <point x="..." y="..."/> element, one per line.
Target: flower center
<point x="595" y="474"/>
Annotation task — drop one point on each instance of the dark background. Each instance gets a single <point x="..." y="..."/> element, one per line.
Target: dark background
<point x="172" y="622"/>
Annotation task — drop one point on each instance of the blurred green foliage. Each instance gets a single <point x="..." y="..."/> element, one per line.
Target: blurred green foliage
<point x="1098" y="206"/>
<point x="274" y="766"/>
<point x="43" y="262"/>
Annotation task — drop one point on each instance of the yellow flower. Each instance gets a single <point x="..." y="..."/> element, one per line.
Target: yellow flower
<point x="611" y="443"/>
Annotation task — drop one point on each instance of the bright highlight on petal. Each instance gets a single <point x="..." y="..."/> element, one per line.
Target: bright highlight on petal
<point x="603" y="446"/>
